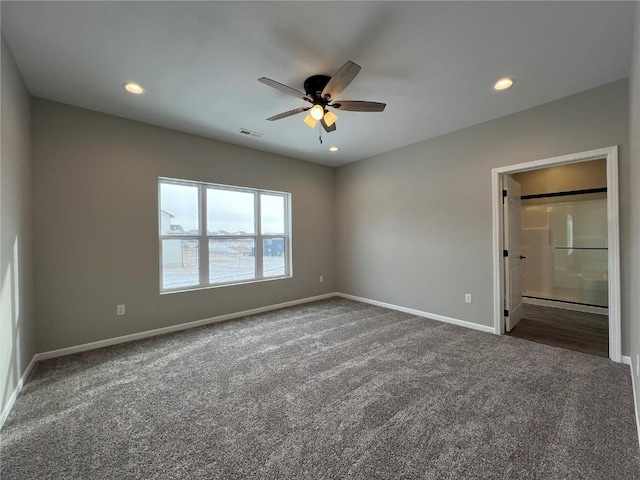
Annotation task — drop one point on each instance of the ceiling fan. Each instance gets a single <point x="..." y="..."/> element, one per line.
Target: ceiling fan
<point x="321" y="92"/>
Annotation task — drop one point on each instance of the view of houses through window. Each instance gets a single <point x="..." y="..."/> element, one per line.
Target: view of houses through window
<point x="212" y="235"/>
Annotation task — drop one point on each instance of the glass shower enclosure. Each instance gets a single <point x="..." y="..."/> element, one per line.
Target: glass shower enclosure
<point x="564" y="241"/>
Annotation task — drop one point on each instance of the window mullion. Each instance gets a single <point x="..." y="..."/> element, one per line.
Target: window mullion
<point x="288" y="265"/>
<point x="258" y="237"/>
<point x="203" y="261"/>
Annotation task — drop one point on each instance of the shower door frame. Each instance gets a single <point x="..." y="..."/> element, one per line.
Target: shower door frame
<point x="610" y="154"/>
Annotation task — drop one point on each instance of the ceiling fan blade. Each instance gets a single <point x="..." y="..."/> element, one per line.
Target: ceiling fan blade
<point x="341" y="79"/>
<point x="359" y="106"/>
<point x="288" y="114"/>
<point x="284" y="88"/>
<point x="328" y="128"/>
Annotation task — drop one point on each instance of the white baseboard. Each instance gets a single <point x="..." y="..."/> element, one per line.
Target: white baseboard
<point x="566" y="306"/>
<point x="420" y="313"/>
<point x="635" y="399"/>
<point x="198" y="323"/>
<point x="12" y="399"/>
<point x="174" y="328"/>
<point x="185" y="326"/>
<point x="137" y="336"/>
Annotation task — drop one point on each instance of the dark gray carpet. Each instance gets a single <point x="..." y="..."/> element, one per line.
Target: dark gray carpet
<point x="328" y="390"/>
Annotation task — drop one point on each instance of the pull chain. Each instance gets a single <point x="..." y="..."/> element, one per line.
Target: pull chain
<point x="320" y="133"/>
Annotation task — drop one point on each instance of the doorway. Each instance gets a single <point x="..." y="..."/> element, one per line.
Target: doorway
<point x="506" y="266"/>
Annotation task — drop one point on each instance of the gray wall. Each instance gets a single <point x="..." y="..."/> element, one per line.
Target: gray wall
<point x="95" y="209"/>
<point x="17" y="337"/>
<point x="634" y="263"/>
<point x="414" y="225"/>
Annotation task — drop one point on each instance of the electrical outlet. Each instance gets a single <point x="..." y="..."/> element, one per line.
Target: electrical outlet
<point x="467" y="298"/>
<point x="321" y="278"/>
<point x="120" y="310"/>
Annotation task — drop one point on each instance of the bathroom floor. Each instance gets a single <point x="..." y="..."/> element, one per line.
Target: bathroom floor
<point x="582" y="332"/>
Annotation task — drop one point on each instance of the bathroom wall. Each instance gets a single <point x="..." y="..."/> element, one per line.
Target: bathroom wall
<point x="575" y="176"/>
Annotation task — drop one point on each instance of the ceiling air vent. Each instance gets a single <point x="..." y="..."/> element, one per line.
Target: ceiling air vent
<point x="249" y="133"/>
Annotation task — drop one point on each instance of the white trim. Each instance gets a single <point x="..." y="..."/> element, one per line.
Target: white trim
<point x="498" y="244"/>
<point x="137" y="336"/>
<point x="613" y="227"/>
<point x="419" y="313"/>
<point x="566" y="306"/>
<point x="185" y="326"/>
<point x="16" y="391"/>
<point x="635" y="397"/>
<point x="174" y="328"/>
<point x="204" y="237"/>
<point x="611" y="155"/>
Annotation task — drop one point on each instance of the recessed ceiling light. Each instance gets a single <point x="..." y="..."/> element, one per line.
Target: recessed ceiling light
<point x="333" y="149"/>
<point x="503" y="83"/>
<point x="133" y="87"/>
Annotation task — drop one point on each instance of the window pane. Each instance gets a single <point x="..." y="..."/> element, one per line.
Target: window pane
<point x="232" y="260"/>
<point x="274" y="256"/>
<point x="179" y="210"/>
<point x="272" y="213"/>
<point x="229" y="212"/>
<point x="180" y="263"/>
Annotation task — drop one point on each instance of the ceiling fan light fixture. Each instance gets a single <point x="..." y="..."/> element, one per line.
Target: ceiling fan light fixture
<point x="317" y="112"/>
<point x="330" y="118"/>
<point x="310" y="121"/>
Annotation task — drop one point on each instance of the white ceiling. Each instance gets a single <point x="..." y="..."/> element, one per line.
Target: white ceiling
<point x="433" y="63"/>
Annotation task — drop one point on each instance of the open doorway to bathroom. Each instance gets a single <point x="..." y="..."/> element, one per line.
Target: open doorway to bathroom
<point x="564" y="264"/>
<point x="564" y="269"/>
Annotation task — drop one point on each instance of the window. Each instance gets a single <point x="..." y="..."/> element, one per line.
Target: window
<point x="214" y="235"/>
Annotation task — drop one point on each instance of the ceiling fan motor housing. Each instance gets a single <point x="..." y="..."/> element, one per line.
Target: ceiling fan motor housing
<point x="314" y="85"/>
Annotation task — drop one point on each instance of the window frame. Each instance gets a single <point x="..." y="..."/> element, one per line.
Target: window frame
<point x="204" y="236"/>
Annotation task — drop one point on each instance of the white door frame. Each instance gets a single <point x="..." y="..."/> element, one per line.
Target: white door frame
<point x="613" y="224"/>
